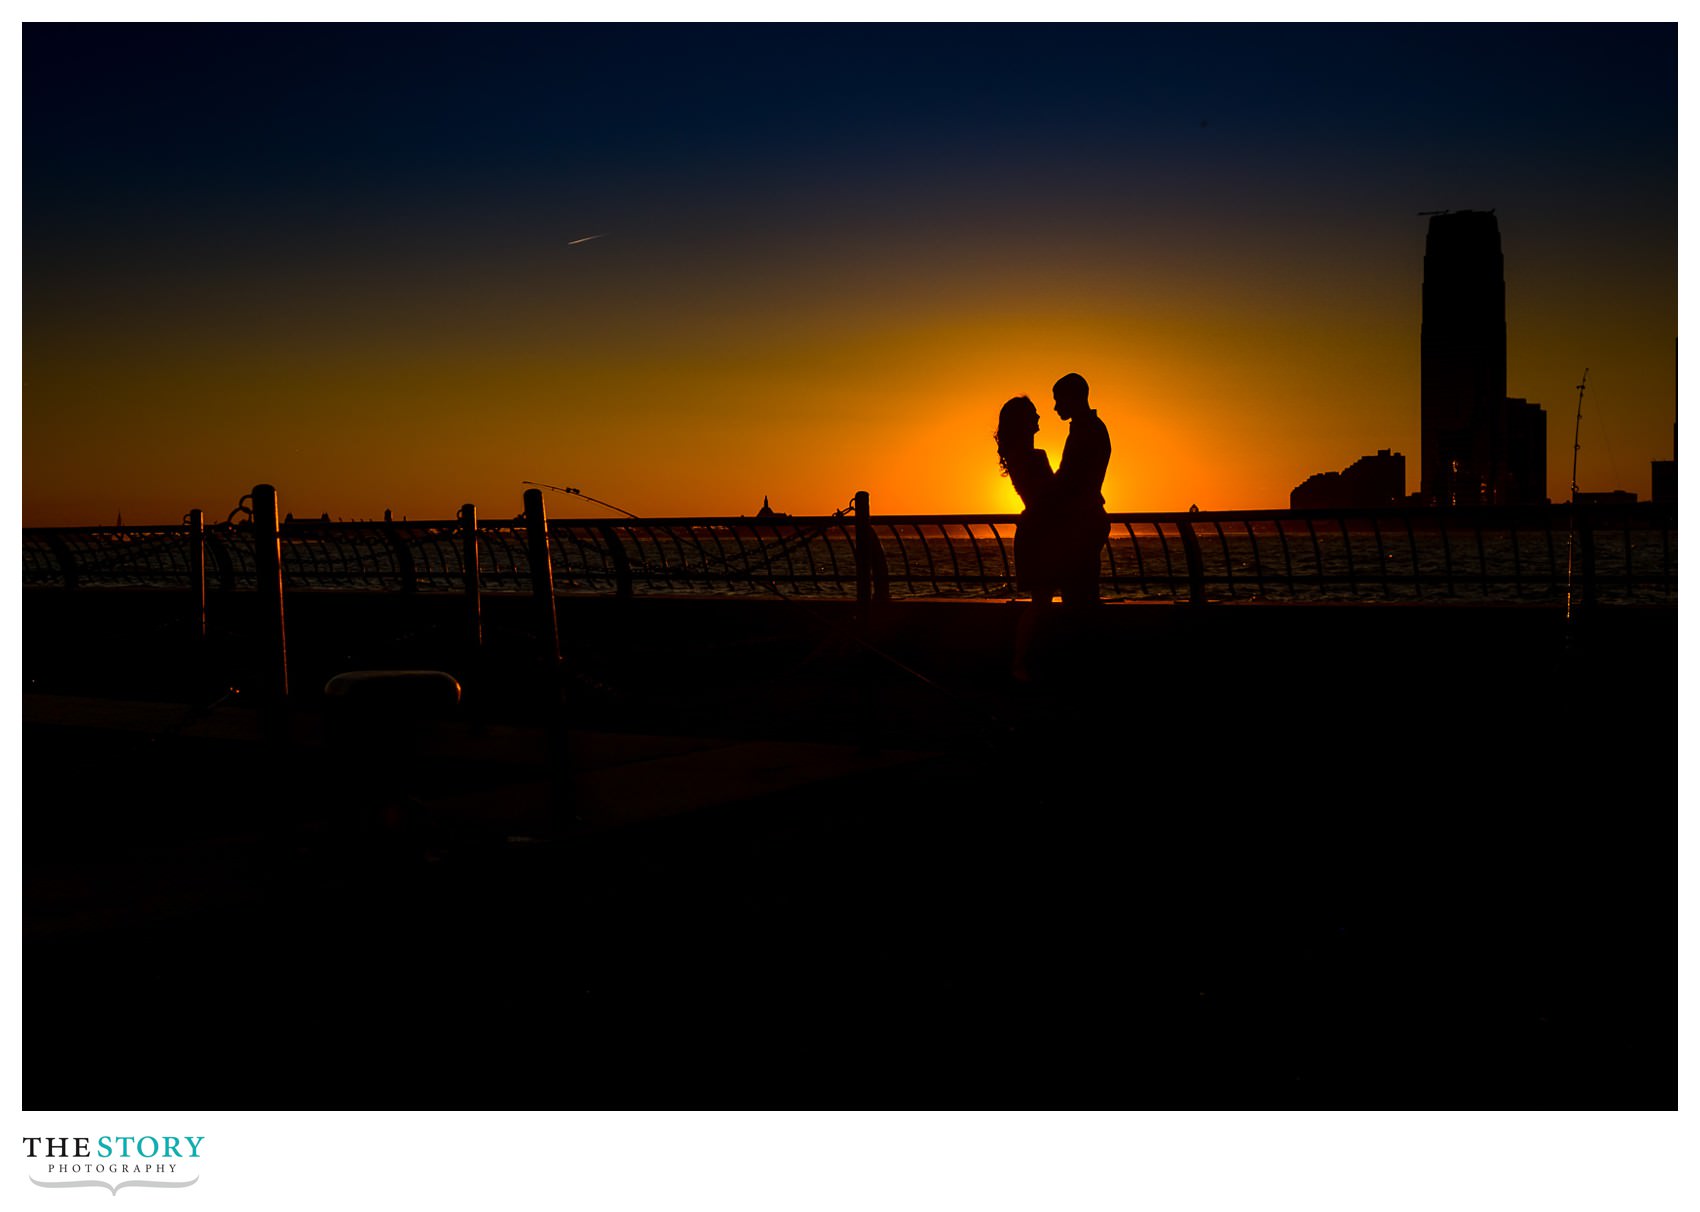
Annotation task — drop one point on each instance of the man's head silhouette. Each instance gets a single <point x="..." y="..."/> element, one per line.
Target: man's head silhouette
<point x="1070" y="394"/>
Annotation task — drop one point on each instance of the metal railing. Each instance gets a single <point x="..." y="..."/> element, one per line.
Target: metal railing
<point x="1622" y="554"/>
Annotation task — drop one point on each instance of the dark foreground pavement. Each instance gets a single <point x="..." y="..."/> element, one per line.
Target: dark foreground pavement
<point x="1247" y="858"/>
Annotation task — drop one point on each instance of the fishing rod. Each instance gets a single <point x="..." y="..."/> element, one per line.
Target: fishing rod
<point x="1575" y="453"/>
<point x="573" y="492"/>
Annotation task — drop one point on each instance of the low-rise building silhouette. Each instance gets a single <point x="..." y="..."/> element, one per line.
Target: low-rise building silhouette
<point x="1373" y="482"/>
<point x="1524" y="480"/>
<point x="1664" y="475"/>
<point x="1664" y="481"/>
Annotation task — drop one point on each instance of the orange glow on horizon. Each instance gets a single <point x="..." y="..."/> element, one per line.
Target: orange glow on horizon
<point x="704" y="407"/>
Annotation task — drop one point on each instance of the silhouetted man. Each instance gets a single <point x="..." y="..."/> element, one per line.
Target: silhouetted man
<point x="1078" y="493"/>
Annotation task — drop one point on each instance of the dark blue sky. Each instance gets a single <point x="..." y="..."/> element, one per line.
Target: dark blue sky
<point x="144" y="113"/>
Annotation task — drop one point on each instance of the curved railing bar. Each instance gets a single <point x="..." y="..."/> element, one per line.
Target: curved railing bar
<point x="1138" y="557"/>
<point x="1416" y="560"/>
<point x="1516" y="560"/>
<point x="811" y="554"/>
<point x="1003" y="554"/>
<point x="1168" y="559"/>
<point x="1346" y="544"/>
<point x="1446" y="546"/>
<point x="1316" y="550"/>
<point x="1256" y="556"/>
<point x="1227" y="556"/>
<point x="1380" y="554"/>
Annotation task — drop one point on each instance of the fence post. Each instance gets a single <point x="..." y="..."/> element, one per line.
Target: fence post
<point x="555" y="707"/>
<point x="200" y="662"/>
<point x="198" y="574"/>
<point x="542" y="573"/>
<point x="1194" y="562"/>
<point x="469" y="572"/>
<point x="864" y="556"/>
<point x="268" y="579"/>
<point x="865" y="565"/>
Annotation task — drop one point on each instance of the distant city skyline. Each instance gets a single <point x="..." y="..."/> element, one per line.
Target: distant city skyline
<point x="687" y="267"/>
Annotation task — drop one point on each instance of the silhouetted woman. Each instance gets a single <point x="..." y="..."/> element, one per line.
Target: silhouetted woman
<point x="1029" y="470"/>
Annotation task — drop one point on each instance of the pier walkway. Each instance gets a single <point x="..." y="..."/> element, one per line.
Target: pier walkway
<point x="1249" y="856"/>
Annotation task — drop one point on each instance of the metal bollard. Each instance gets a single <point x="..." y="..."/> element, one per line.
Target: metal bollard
<point x="542" y="573"/>
<point x="268" y="579"/>
<point x="864" y="555"/>
<point x="469" y="568"/>
<point x="555" y="708"/>
<point x="198" y="575"/>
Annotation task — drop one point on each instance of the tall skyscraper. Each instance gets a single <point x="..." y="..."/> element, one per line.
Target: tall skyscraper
<point x="1463" y="353"/>
<point x="1479" y="447"/>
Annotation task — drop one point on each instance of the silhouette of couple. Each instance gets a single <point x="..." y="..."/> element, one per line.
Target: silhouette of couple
<point x="1063" y="526"/>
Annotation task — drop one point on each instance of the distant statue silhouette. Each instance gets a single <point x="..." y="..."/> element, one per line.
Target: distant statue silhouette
<point x="1077" y="494"/>
<point x="1029" y="471"/>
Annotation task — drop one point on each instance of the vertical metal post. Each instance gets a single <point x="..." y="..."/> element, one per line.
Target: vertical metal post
<point x="542" y="573"/>
<point x="864" y="555"/>
<point x="199" y="663"/>
<point x="867" y="708"/>
<point x="469" y="570"/>
<point x="198" y="574"/>
<point x="555" y="707"/>
<point x="268" y="579"/>
<point x="1194" y="563"/>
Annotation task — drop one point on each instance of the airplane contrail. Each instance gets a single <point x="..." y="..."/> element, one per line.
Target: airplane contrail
<point x="586" y="239"/>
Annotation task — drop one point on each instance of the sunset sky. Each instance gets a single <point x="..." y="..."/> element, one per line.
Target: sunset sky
<point x="352" y="261"/>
